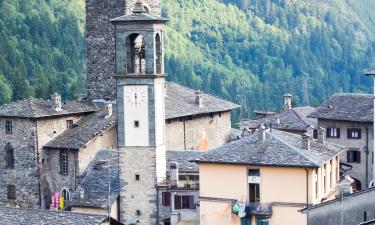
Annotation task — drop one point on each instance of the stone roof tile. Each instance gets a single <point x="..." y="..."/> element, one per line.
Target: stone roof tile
<point x="12" y="216"/>
<point x="346" y="107"/>
<point x="279" y="149"/>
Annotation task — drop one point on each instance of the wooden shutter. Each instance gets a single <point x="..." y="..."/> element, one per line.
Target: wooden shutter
<point x="177" y="202"/>
<point x="349" y="133"/>
<point x="191" y="202"/>
<point x="338" y="132"/>
<point x="358" y="156"/>
<point x="359" y="133"/>
<point x="166" y="199"/>
<point x="328" y="132"/>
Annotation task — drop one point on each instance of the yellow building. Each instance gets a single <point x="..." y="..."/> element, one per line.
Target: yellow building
<point x="268" y="177"/>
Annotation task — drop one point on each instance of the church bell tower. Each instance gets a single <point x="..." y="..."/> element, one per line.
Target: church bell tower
<point x="141" y="112"/>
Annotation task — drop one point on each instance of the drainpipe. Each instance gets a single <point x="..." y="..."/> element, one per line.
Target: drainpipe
<point x="367" y="155"/>
<point x="307" y="187"/>
<point x="184" y="133"/>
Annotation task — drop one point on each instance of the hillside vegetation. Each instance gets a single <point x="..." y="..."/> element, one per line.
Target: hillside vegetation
<point x="247" y="51"/>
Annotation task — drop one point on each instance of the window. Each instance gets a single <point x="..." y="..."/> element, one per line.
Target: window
<point x="9" y="156"/>
<point x="354" y="133"/>
<point x="136" y="123"/>
<point x="65" y="194"/>
<point x="69" y="124"/>
<point x="166" y="198"/>
<point x="8" y="127"/>
<point x="11" y="191"/>
<point x="353" y="156"/>
<point x="254" y="193"/>
<point x="184" y="202"/>
<point x="159" y="54"/>
<point x="64" y="162"/>
<point x="137" y="177"/>
<point x="333" y="132"/>
<point x="315" y="134"/>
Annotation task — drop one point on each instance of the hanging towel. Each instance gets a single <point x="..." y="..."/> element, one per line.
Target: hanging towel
<point x="242" y="212"/>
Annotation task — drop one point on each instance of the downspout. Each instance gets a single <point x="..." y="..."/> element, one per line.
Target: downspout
<point x="367" y="155"/>
<point x="307" y="187"/>
<point x="157" y="204"/>
<point x="184" y="123"/>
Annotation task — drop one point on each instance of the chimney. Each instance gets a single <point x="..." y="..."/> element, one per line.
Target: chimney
<point x="82" y="194"/>
<point x="174" y="174"/>
<point x="287" y="101"/>
<point x="321" y="135"/>
<point x="199" y="98"/>
<point x="262" y="133"/>
<point x="108" y="109"/>
<point x="56" y="98"/>
<point x="306" y="141"/>
<point x="310" y="131"/>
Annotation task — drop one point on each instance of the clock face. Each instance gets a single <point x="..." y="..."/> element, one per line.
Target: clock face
<point x="135" y="96"/>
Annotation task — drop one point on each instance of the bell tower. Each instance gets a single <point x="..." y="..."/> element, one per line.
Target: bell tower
<point x="141" y="112"/>
<point x="100" y="50"/>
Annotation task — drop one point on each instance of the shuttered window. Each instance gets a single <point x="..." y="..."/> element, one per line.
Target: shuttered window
<point x="64" y="163"/>
<point x="11" y="192"/>
<point x="184" y="202"/>
<point x="354" y="133"/>
<point x="177" y="202"/>
<point x="166" y="199"/>
<point x="353" y="156"/>
<point x="333" y="132"/>
<point x="9" y="156"/>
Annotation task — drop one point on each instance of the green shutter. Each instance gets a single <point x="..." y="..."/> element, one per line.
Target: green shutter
<point x="262" y="221"/>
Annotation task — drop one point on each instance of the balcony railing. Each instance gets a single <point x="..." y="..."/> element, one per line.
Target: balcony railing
<point x="264" y="209"/>
<point x="184" y="184"/>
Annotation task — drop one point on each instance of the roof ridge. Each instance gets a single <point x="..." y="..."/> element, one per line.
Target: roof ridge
<point x="303" y="121"/>
<point x="293" y="148"/>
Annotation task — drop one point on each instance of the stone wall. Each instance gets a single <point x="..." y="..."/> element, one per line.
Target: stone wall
<point x="359" y="169"/>
<point x="353" y="210"/>
<point x="100" y="41"/>
<point x="198" y="133"/>
<point x="138" y="194"/>
<point x="25" y="173"/>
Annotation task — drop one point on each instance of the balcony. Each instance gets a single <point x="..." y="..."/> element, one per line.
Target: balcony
<point x="261" y="209"/>
<point x="185" y="184"/>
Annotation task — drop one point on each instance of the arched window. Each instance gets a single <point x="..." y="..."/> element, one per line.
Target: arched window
<point x="135" y="54"/>
<point x="9" y="156"/>
<point x="159" y="54"/>
<point x="65" y="194"/>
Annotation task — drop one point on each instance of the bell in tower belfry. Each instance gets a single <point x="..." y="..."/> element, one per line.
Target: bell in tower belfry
<point x="141" y="113"/>
<point x="100" y="42"/>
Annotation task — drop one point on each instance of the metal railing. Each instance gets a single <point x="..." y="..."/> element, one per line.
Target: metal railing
<point x="264" y="209"/>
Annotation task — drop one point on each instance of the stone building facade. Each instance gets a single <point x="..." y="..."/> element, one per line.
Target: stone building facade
<point x="202" y="132"/>
<point x="23" y="174"/>
<point x="348" y="121"/>
<point x="100" y="42"/>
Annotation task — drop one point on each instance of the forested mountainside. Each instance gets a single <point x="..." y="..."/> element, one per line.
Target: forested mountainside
<point x="254" y="50"/>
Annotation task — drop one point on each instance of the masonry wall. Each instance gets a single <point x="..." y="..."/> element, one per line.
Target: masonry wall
<point x="359" y="169"/>
<point x="25" y="173"/>
<point x="100" y="41"/>
<point x="108" y="140"/>
<point x="198" y="133"/>
<point x="352" y="210"/>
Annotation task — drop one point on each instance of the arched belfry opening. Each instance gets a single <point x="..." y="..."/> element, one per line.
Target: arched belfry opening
<point x="135" y="54"/>
<point x="159" y="54"/>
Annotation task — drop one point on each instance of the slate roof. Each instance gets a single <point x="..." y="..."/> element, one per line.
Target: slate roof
<point x="279" y="149"/>
<point x="183" y="159"/>
<point x="39" y="108"/>
<point x="17" y="216"/>
<point x="95" y="185"/>
<point x="84" y="131"/>
<point x="346" y="107"/>
<point x="180" y="102"/>
<point x="295" y="119"/>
